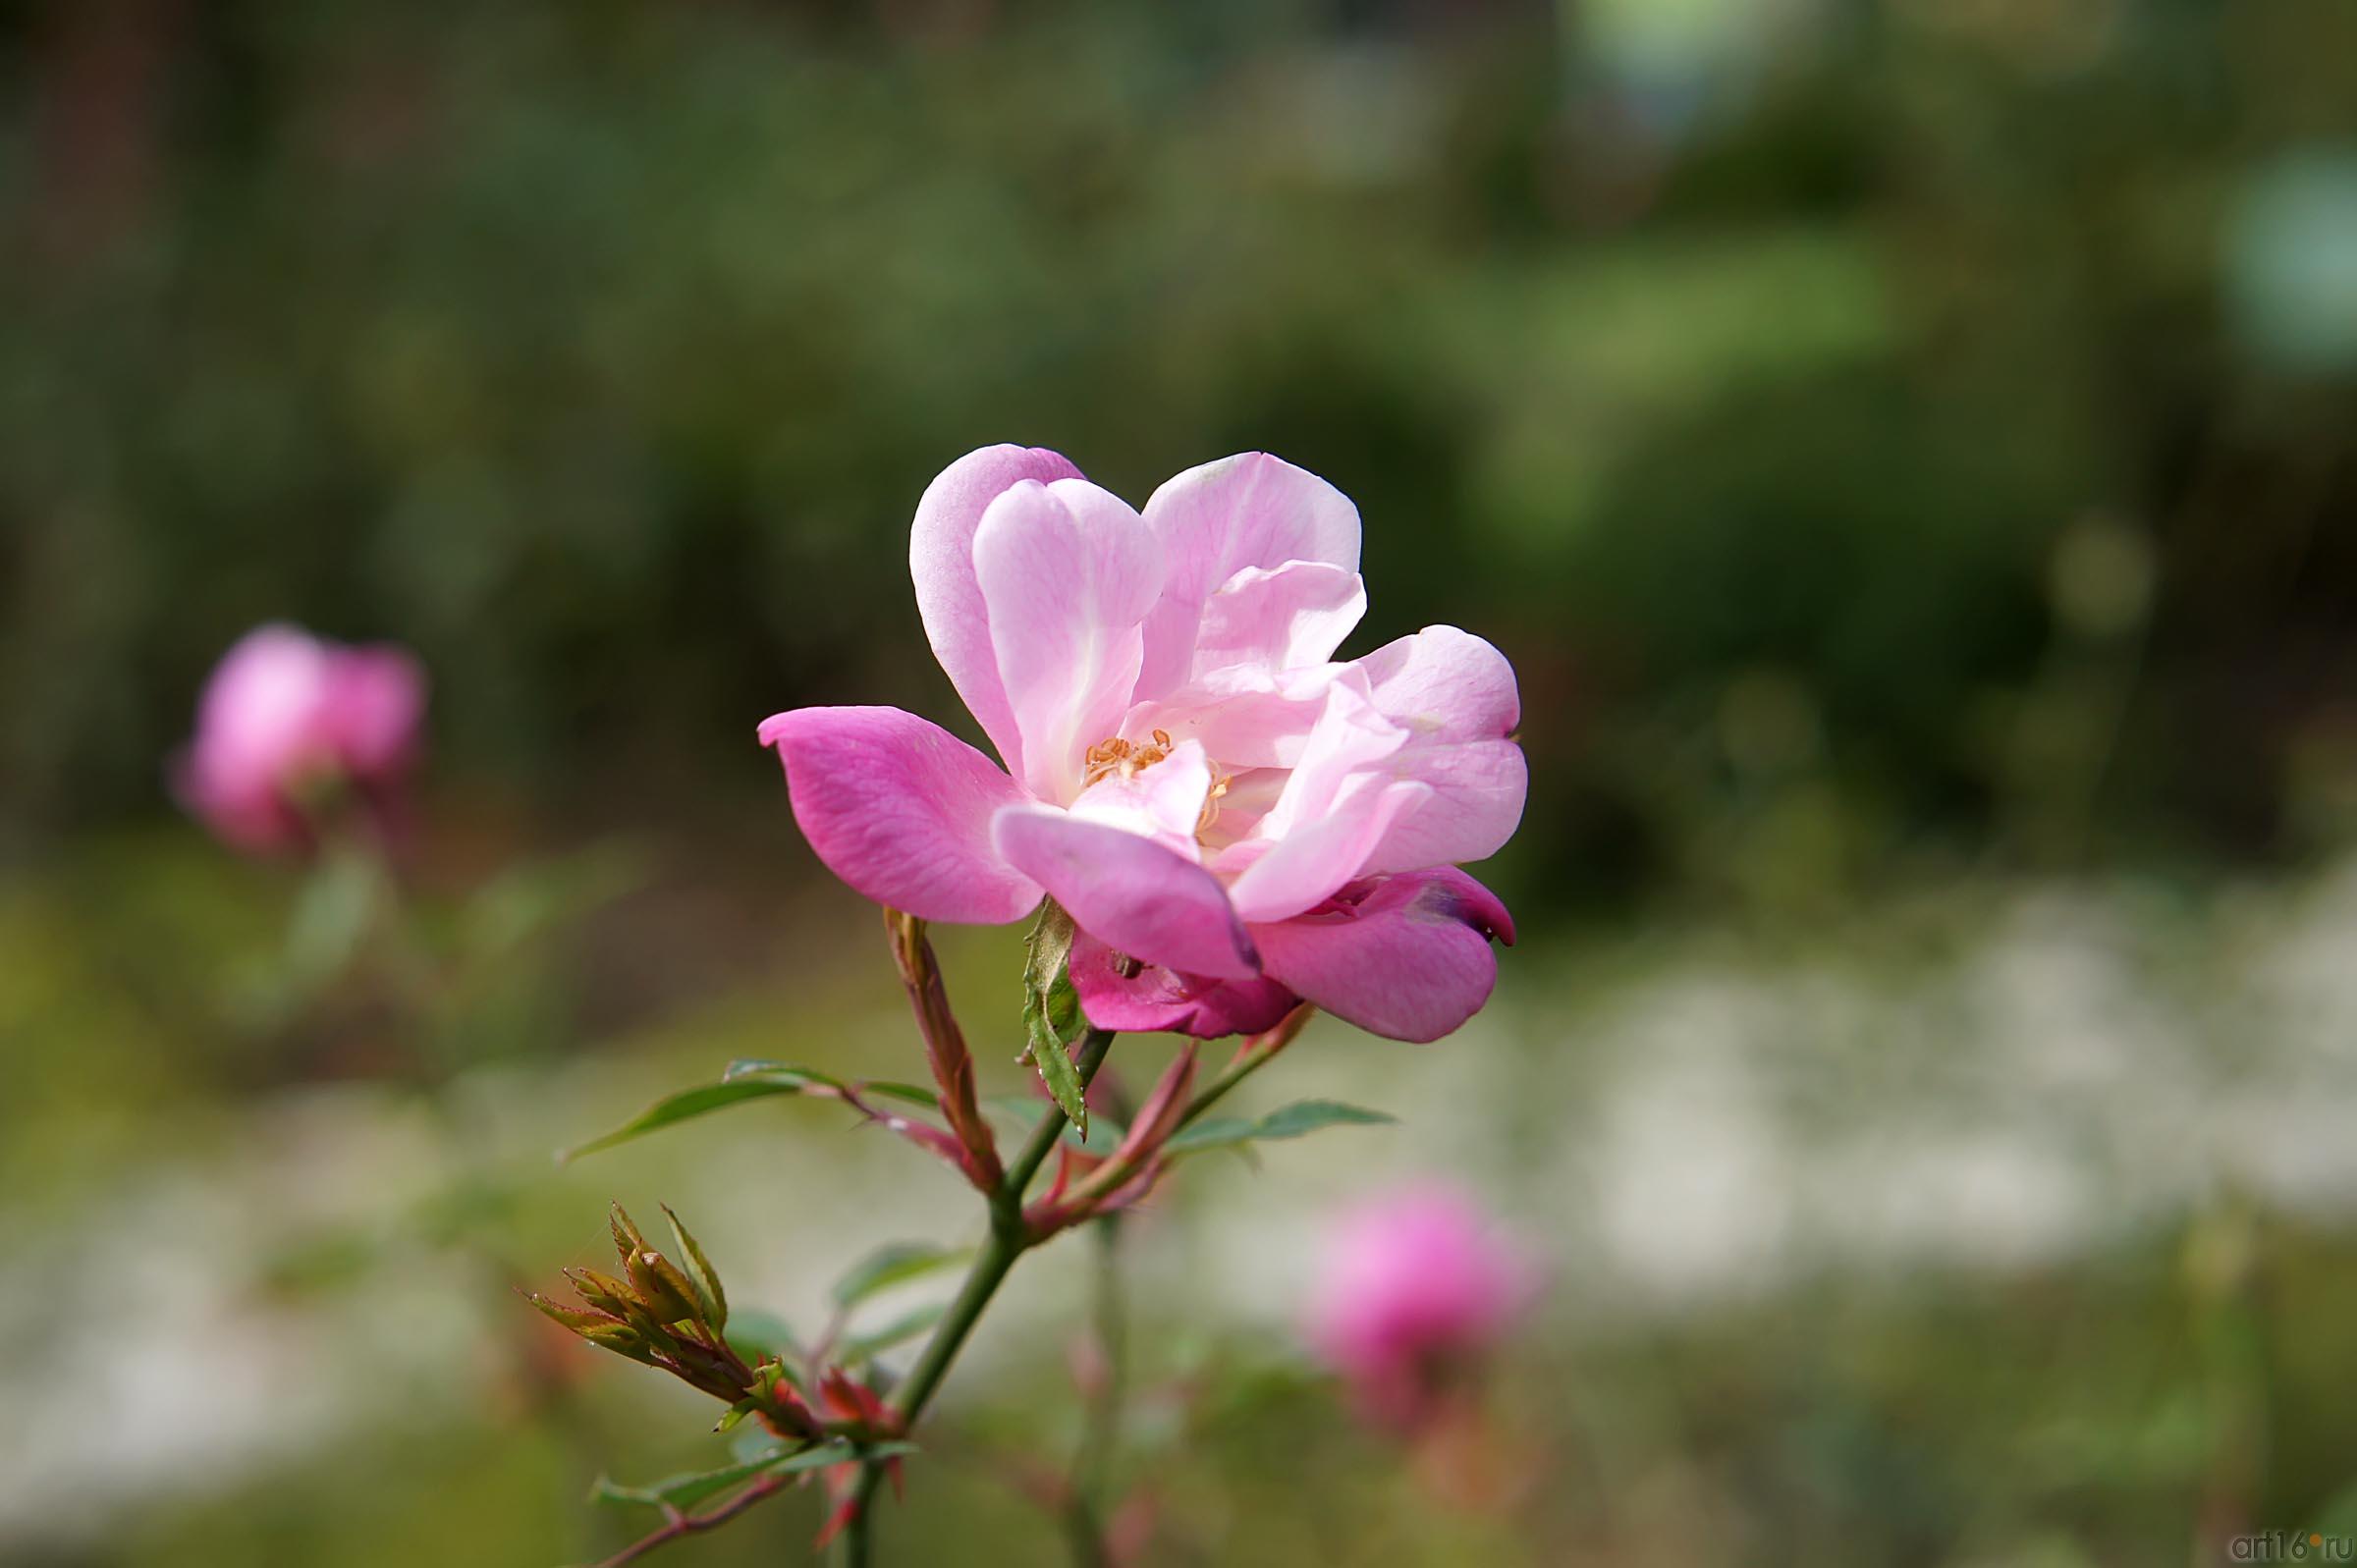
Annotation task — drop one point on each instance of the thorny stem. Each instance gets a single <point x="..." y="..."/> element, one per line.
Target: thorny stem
<point x="1007" y="1242"/>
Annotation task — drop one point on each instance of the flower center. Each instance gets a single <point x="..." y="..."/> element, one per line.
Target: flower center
<point x="1128" y="758"/>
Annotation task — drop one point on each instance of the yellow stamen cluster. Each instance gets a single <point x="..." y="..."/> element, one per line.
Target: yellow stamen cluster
<point x="1109" y="757"/>
<point x="1125" y="757"/>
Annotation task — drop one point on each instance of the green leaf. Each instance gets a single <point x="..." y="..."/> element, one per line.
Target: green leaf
<point x="902" y="1329"/>
<point x="892" y="1264"/>
<point x="1052" y="1010"/>
<point x="682" y="1492"/>
<point x="756" y="1083"/>
<point x="1022" y="1111"/>
<point x="836" y="1453"/>
<point x="906" y="1092"/>
<point x="1062" y="1007"/>
<point x="1063" y="1079"/>
<point x="1310" y="1115"/>
<point x="710" y="1299"/>
<point x="1212" y="1132"/>
<point x="685" y="1492"/>
<point x="764" y="1067"/>
<point x="1299" y="1120"/>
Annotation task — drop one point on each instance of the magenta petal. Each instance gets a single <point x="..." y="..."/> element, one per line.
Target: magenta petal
<point x="1130" y="893"/>
<point x="900" y="809"/>
<point x="1406" y="956"/>
<point x="941" y="561"/>
<point x="376" y="702"/>
<point x="1155" y="998"/>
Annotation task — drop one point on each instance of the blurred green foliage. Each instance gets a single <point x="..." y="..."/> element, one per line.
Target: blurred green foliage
<point x="1689" y="352"/>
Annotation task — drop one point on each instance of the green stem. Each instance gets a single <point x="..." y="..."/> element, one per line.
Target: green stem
<point x="1003" y="1245"/>
<point x="1101" y="1432"/>
<point x="1243" y="1066"/>
<point x="1257" y="1054"/>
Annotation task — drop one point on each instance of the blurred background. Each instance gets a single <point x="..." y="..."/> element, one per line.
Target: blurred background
<point x="1909" y="449"/>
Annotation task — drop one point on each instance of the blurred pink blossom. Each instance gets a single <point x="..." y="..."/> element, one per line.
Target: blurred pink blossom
<point x="286" y="720"/>
<point x="1417" y="1287"/>
<point x="1234" y="818"/>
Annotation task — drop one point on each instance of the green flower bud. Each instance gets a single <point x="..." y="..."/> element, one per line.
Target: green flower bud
<point x="668" y="1295"/>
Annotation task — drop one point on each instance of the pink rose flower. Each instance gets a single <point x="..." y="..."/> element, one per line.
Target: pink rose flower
<point x="1417" y="1287"/>
<point x="287" y="717"/>
<point x="1233" y="819"/>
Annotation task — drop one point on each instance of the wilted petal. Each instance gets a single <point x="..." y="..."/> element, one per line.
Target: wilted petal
<point x="1067" y="571"/>
<point x="1132" y="893"/>
<point x="1286" y="617"/>
<point x="900" y="809"/>
<point x="941" y="561"/>
<point x="1252" y="509"/>
<point x="1406" y="956"/>
<point x="1155" y="998"/>
<point x="1454" y="695"/>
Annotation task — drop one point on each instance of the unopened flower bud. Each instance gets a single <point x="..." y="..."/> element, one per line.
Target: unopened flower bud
<point x="622" y="1339"/>
<point x="602" y="1291"/>
<point x="577" y="1319"/>
<point x="628" y="1237"/>
<point x="711" y="1301"/>
<point x="660" y="1284"/>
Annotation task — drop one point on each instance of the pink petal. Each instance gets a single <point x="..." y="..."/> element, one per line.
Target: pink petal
<point x="1406" y="956"/>
<point x="1252" y="509"/>
<point x="941" y="560"/>
<point x="900" y="809"/>
<point x="1306" y="866"/>
<point x="1130" y="893"/>
<point x="1068" y="572"/>
<point x="1455" y="695"/>
<point x="1163" y="801"/>
<point x="1246" y="716"/>
<point x="375" y="702"/>
<point x="1411" y="1278"/>
<point x="1155" y="998"/>
<point x="1351" y="738"/>
<point x="1286" y="617"/>
<point x="1445" y="684"/>
<point x="262" y="713"/>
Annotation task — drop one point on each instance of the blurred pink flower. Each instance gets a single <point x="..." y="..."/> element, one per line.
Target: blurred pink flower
<point x="1416" y="1288"/>
<point x="285" y="717"/>
<point x="1234" y="818"/>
